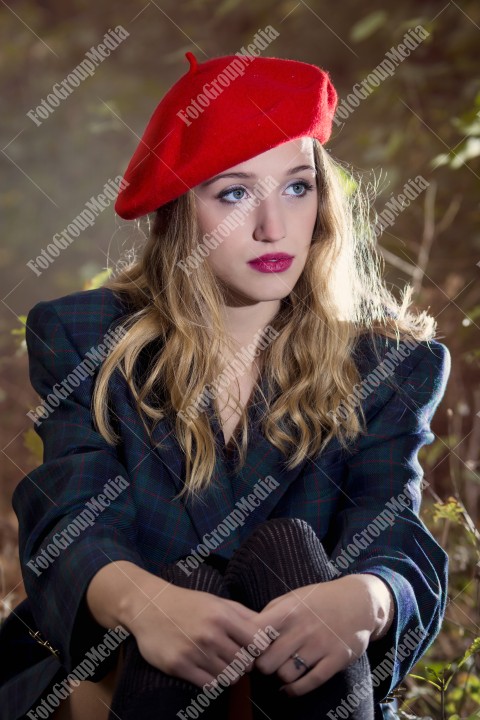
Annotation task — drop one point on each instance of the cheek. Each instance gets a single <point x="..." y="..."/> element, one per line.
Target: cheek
<point x="310" y="220"/>
<point x="303" y="213"/>
<point x="302" y="226"/>
<point x="206" y="220"/>
<point x="214" y="221"/>
<point x="223" y="258"/>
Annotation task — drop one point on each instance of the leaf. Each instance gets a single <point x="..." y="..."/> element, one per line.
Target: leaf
<point x="33" y="442"/>
<point x="473" y="649"/>
<point x="348" y="182"/>
<point x="468" y="123"/>
<point x="430" y="682"/>
<point x="98" y="280"/>
<point x="438" y="666"/>
<point x="417" y="677"/>
<point x="439" y="160"/>
<point x="470" y="149"/>
<point x="449" y="510"/>
<point x="20" y="331"/>
<point x="474" y="313"/>
<point x="431" y="454"/>
<point x="367" y="26"/>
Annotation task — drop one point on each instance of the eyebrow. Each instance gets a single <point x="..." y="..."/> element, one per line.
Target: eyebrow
<point x="292" y="171"/>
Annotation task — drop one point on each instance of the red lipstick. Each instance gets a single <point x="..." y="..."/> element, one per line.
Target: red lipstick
<point x="272" y="262"/>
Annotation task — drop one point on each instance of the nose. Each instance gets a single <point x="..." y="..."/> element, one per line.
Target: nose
<point x="269" y="221"/>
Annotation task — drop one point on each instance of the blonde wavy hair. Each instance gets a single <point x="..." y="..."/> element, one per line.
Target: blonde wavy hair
<point x="175" y="322"/>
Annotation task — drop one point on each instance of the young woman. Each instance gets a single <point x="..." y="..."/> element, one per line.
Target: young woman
<point x="230" y="493"/>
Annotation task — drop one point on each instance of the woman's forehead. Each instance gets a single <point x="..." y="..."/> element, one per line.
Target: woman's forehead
<point x="294" y="152"/>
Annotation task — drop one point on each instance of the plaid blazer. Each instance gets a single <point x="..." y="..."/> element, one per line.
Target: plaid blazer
<point x="349" y="498"/>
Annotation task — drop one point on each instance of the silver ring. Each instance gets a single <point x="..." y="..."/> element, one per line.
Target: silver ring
<point x="299" y="662"/>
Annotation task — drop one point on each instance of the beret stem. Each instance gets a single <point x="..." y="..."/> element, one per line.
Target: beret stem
<point x="193" y="62"/>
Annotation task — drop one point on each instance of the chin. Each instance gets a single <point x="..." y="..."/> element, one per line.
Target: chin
<point x="236" y="297"/>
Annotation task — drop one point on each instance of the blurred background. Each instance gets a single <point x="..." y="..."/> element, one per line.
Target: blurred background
<point x="423" y="119"/>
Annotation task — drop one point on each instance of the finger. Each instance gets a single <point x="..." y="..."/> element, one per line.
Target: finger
<point x="199" y="676"/>
<point x="229" y="660"/>
<point x="288" y="670"/>
<point x="218" y="666"/>
<point x="242" y="610"/>
<point x="244" y="632"/>
<point x="225" y="645"/>
<point x="326" y="668"/>
<point x="278" y="656"/>
<point x="279" y="615"/>
<point x="207" y="667"/>
<point x="230" y="653"/>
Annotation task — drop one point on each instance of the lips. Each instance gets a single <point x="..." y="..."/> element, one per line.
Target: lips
<point x="272" y="263"/>
<point x="272" y="257"/>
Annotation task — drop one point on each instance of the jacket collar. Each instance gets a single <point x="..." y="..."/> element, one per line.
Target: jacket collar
<point x="210" y="507"/>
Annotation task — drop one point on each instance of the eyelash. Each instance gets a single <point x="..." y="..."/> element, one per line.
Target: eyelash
<point x="308" y="187"/>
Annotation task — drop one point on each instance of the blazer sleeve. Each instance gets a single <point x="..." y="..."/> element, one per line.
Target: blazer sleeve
<point x="77" y="463"/>
<point x="379" y="527"/>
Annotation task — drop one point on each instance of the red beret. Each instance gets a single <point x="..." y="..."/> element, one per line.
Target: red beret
<point x="220" y="113"/>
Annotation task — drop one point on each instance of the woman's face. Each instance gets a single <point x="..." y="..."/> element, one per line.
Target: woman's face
<point x="280" y="219"/>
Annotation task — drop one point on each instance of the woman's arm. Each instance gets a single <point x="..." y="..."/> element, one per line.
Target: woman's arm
<point x="112" y="590"/>
<point x="378" y="599"/>
<point x="63" y="542"/>
<point x="390" y="591"/>
<point x="92" y="577"/>
<point x="378" y="529"/>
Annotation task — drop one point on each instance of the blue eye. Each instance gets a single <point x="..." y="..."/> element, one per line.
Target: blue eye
<point x="221" y="196"/>
<point x="237" y="194"/>
<point x="303" y="184"/>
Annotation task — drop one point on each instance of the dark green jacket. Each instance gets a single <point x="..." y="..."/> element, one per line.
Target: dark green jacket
<point x="340" y="494"/>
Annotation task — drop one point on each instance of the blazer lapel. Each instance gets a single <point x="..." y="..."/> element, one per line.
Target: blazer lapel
<point x="265" y="474"/>
<point x="230" y="490"/>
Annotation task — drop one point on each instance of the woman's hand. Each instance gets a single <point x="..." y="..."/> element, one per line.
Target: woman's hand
<point x="190" y="634"/>
<point x="328" y="624"/>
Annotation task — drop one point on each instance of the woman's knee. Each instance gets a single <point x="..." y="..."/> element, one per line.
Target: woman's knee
<point x="90" y="699"/>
